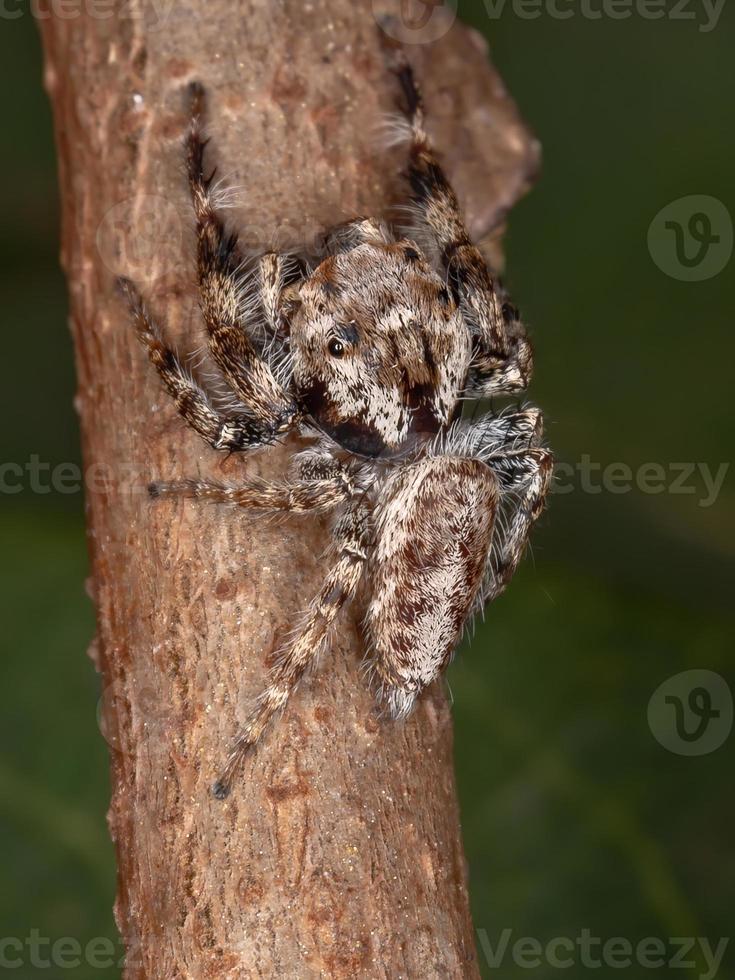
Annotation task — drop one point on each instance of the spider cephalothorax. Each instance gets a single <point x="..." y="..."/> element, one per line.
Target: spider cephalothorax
<point x="378" y="348"/>
<point x="369" y="357"/>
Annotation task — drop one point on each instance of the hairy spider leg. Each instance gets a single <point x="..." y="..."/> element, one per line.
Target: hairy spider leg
<point x="220" y="286"/>
<point x="502" y="354"/>
<point x="339" y="587"/>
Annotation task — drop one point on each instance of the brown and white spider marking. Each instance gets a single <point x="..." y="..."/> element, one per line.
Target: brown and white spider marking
<point x="370" y="356"/>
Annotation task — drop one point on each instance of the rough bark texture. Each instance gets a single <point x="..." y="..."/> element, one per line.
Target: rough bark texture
<point x="339" y="852"/>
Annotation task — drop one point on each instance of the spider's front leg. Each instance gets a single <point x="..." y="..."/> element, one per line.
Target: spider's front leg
<point x="221" y="284"/>
<point x="268" y="408"/>
<point x="228" y="431"/>
<point x="340" y="585"/>
<point x="502" y="360"/>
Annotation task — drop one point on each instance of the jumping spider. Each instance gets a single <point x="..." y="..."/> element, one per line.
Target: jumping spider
<point x="370" y="355"/>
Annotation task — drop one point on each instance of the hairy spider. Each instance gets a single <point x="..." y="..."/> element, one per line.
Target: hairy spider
<point x="370" y="356"/>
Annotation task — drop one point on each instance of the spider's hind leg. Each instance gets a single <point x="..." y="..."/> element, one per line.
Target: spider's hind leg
<point x="525" y="478"/>
<point x="510" y="445"/>
<point x="310" y="639"/>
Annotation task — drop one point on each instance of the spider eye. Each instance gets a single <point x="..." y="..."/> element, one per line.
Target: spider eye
<point x="335" y="347"/>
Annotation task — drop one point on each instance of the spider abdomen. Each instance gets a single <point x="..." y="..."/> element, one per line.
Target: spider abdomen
<point x="433" y="535"/>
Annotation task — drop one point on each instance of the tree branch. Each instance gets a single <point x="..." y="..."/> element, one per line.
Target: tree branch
<point x="338" y="853"/>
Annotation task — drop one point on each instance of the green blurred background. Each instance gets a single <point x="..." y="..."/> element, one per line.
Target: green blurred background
<point x="575" y="816"/>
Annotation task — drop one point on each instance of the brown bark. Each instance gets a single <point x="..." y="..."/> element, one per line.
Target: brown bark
<point x="339" y="852"/>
